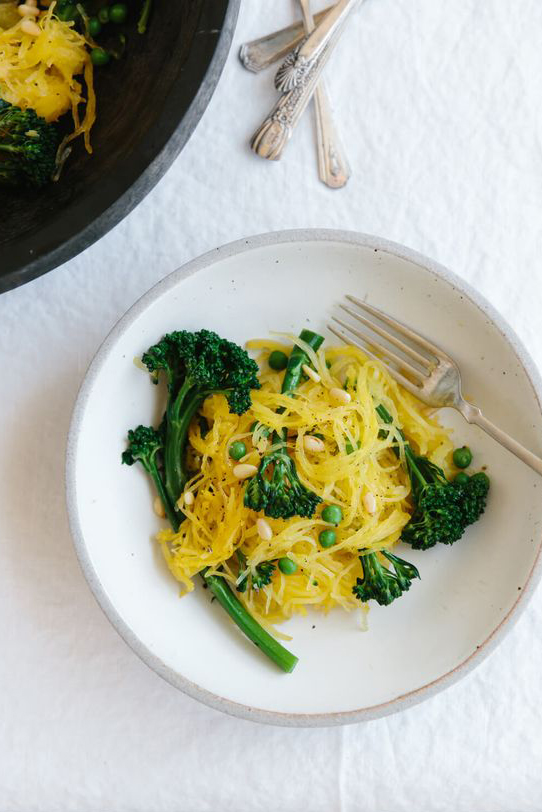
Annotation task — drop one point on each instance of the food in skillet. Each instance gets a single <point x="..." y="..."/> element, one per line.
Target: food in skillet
<point x="288" y="482"/>
<point x="48" y="52"/>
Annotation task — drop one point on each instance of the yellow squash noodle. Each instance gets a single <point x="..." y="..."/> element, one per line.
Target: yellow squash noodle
<point x="40" y="72"/>
<point x="357" y="459"/>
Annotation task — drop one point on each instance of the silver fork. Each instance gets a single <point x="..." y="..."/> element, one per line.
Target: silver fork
<point x="433" y="376"/>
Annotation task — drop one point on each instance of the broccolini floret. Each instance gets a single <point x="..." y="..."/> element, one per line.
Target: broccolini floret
<point x="259" y="577"/>
<point x="146" y="445"/>
<point x="380" y="583"/>
<point x="28" y="147"/>
<point x="442" y="509"/>
<point x="195" y="366"/>
<point x="276" y="488"/>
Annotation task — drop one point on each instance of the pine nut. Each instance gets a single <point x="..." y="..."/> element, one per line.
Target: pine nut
<point x="30" y="27"/>
<point x="369" y="501"/>
<point x="244" y="470"/>
<point x="313" y="443"/>
<point x="264" y="530"/>
<point x="26" y="10"/>
<point x="158" y="507"/>
<point x="311" y="373"/>
<point x="339" y="396"/>
<point x="189" y="498"/>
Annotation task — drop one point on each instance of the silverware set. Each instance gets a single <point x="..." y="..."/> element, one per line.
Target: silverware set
<point x="305" y="48"/>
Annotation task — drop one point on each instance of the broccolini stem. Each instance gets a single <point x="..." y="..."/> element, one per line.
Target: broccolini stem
<point x="228" y="600"/>
<point x="383" y="413"/>
<point x="144" y="17"/>
<point x="179" y="417"/>
<point x="298" y="357"/>
<point x="387" y="418"/>
<point x="248" y="625"/>
<point x="409" y="455"/>
<point x="294" y="370"/>
<point x="172" y="516"/>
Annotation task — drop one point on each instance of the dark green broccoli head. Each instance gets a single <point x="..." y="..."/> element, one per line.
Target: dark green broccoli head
<point x="437" y="517"/>
<point x="259" y="577"/>
<point x="144" y="443"/>
<point x="472" y="497"/>
<point x="381" y="584"/>
<point x="28" y="147"/>
<point x="263" y="574"/>
<point x="442" y="509"/>
<point x="277" y="490"/>
<point x="196" y="365"/>
<point x="205" y="362"/>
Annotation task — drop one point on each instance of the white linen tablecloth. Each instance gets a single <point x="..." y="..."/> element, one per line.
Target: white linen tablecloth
<point x="439" y="106"/>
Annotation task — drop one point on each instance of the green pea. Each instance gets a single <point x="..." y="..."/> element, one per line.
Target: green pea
<point x="327" y="538"/>
<point x="103" y="15"/>
<point x="461" y="478"/>
<point x="462" y="457"/>
<point x="287" y="566"/>
<point x="94" y="27"/>
<point x="278" y="360"/>
<point x="237" y="450"/>
<point x="99" y="57"/>
<point x="118" y="13"/>
<point x="332" y="514"/>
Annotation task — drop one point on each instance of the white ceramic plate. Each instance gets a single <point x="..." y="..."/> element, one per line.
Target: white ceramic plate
<point x="468" y="594"/>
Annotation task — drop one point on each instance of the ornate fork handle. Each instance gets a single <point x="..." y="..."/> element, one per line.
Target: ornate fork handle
<point x="260" y="53"/>
<point x="272" y="136"/>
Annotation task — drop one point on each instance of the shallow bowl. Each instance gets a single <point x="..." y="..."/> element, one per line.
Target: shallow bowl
<point x="469" y="594"/>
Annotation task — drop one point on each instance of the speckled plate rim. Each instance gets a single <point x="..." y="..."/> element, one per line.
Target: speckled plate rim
<point x="187" y="686"/>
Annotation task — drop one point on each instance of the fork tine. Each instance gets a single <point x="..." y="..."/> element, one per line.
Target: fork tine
<point x="410" y="351"/>
<point x="404" y="382"/>
<point x="389" y="354"/>
<point x="399" y="327"/>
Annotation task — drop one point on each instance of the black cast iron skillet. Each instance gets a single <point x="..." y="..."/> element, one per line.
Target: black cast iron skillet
<point x="149" y="103"/>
